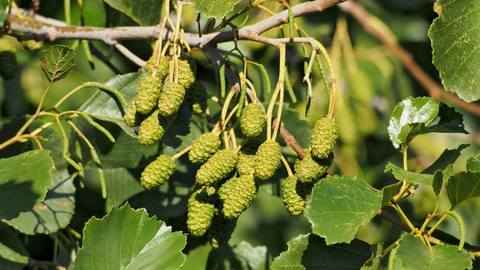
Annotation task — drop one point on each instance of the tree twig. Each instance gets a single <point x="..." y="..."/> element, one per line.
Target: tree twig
<point x="378" y="29"/>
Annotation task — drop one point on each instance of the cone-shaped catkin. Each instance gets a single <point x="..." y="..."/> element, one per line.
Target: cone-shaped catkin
<point x="163" y="66"/>
<point x="148" y="92"/>
<point x="186" y="72"/>
<point x="237" y="194"/>
<point x="267" y="159"/>
<point x="219" y="166"/>
<point x="204" y="147"/>
<point x="196" y="98"/>
<point x="131" y="117"/>
<point x="8" y="60"/>
<point x="157" y="172"/>
<point x="201" y="209"/>
<point x="252" y="120"/>
<point x="153" y="128"/>
<point x="310" y="168"/>
<point x="246" y="157"/>
<point x="324" y="137"/>
<point x="221" y="230"/>
<point x="294" y="194"/>
<point x="170" y="99"/>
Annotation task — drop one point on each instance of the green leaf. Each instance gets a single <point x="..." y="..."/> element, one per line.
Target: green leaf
<point x="298" y="128"/>
<point x="462" y="187"/>
<point x="414" y="254"/>
<point x="57" y="209"/>
<point x="241" y="256"/>
<point x="389" y="192"/>
<point x="455" y="38"/>
<point x="410" y="177"/>
<point x="448" y="157"/>
<point x="57" y="61"/>
<point x="122" y="184"/>
<point x="128" y="239"/>
<point x="143" y="12"/>
<point x="3" y="14"/>
<point x="473" y="163"/>
<point x="311" y="252"/>
<point x="414" y="116"/>
<point x="23" y="182"/>
<point x="339" y="206"/>
<point x="212" y="8"/>
<point x="13" y="255"/>
<point x="106" y="107"/>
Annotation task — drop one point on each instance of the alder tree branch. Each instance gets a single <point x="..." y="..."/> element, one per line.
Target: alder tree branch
<point x="376" y="28"/>
<point x="43" y="30"/>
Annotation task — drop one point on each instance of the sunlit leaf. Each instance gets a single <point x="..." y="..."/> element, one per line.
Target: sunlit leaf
<point x="13" y="255"/>
<point x="57" y="61"/>
<point x="23" y="182"/>
<point x="455" y="38"/>
<point x="339" y="206"/>
<point x="214" y="8"/>
<point x="415" y="116"/>
<point x="410" y="177"/>
<point x="473" y="163"/>
<point x="57" y="209"/>
<point x="143" y="12"/>
<point x="415" y="255"/>
<point x="128" y="239"/>
<point x="241" y="256"/>
<point x="312" y="252"/>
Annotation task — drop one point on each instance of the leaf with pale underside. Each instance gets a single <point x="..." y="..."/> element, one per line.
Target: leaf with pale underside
<point x="455" y="37"/>
<point x="413" y="254"/>
<point x="57" y="61"/>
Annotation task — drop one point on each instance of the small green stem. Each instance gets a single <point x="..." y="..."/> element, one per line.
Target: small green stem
<point x="404" y="217"/>
<point x="438" y="223"/>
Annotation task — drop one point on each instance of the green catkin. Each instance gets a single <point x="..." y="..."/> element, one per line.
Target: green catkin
<point x="310" y="168"/>
<point x="153" y="128"/>
<point x="252" y="120"/>
<point x="97" y="126"/>
<point x="196" y="98"/>
<point x="186" y="72"/>
<point x="267" y="159"/>
<point x="8" y="60"/>
<point x="148" y="92"/>
<point x="221" y="230"/>
<point x="163" y="66"/>
<point x="264" y="72"/>
<point x="103" y="183"/>
<point x="294" y="194"/>
<point x="157" y="172"/>
<point x="66" y="156"/>
<point x="246" y="157"/>
<point x="201" y="209"/>
<point x="289" y="87"/>
<point x="131" y="117"/>
<point x="241" y="100"/>
<point x="291" y="24"/>
<point x="204" y="147"/>
<point x="170" y="99"/>
<point x="107" y="89"/>
<point x="219" y="166"/>
<point x="324" y="137"/>
<point x="223" y="83"/>
<point x="237" y="194"/>
<point x="324" y="72"/>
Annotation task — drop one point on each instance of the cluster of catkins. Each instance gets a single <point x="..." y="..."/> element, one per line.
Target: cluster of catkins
<point x="227" y="182"/>
<point x="158" y="98"/>
<point x="313" y="166"/>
